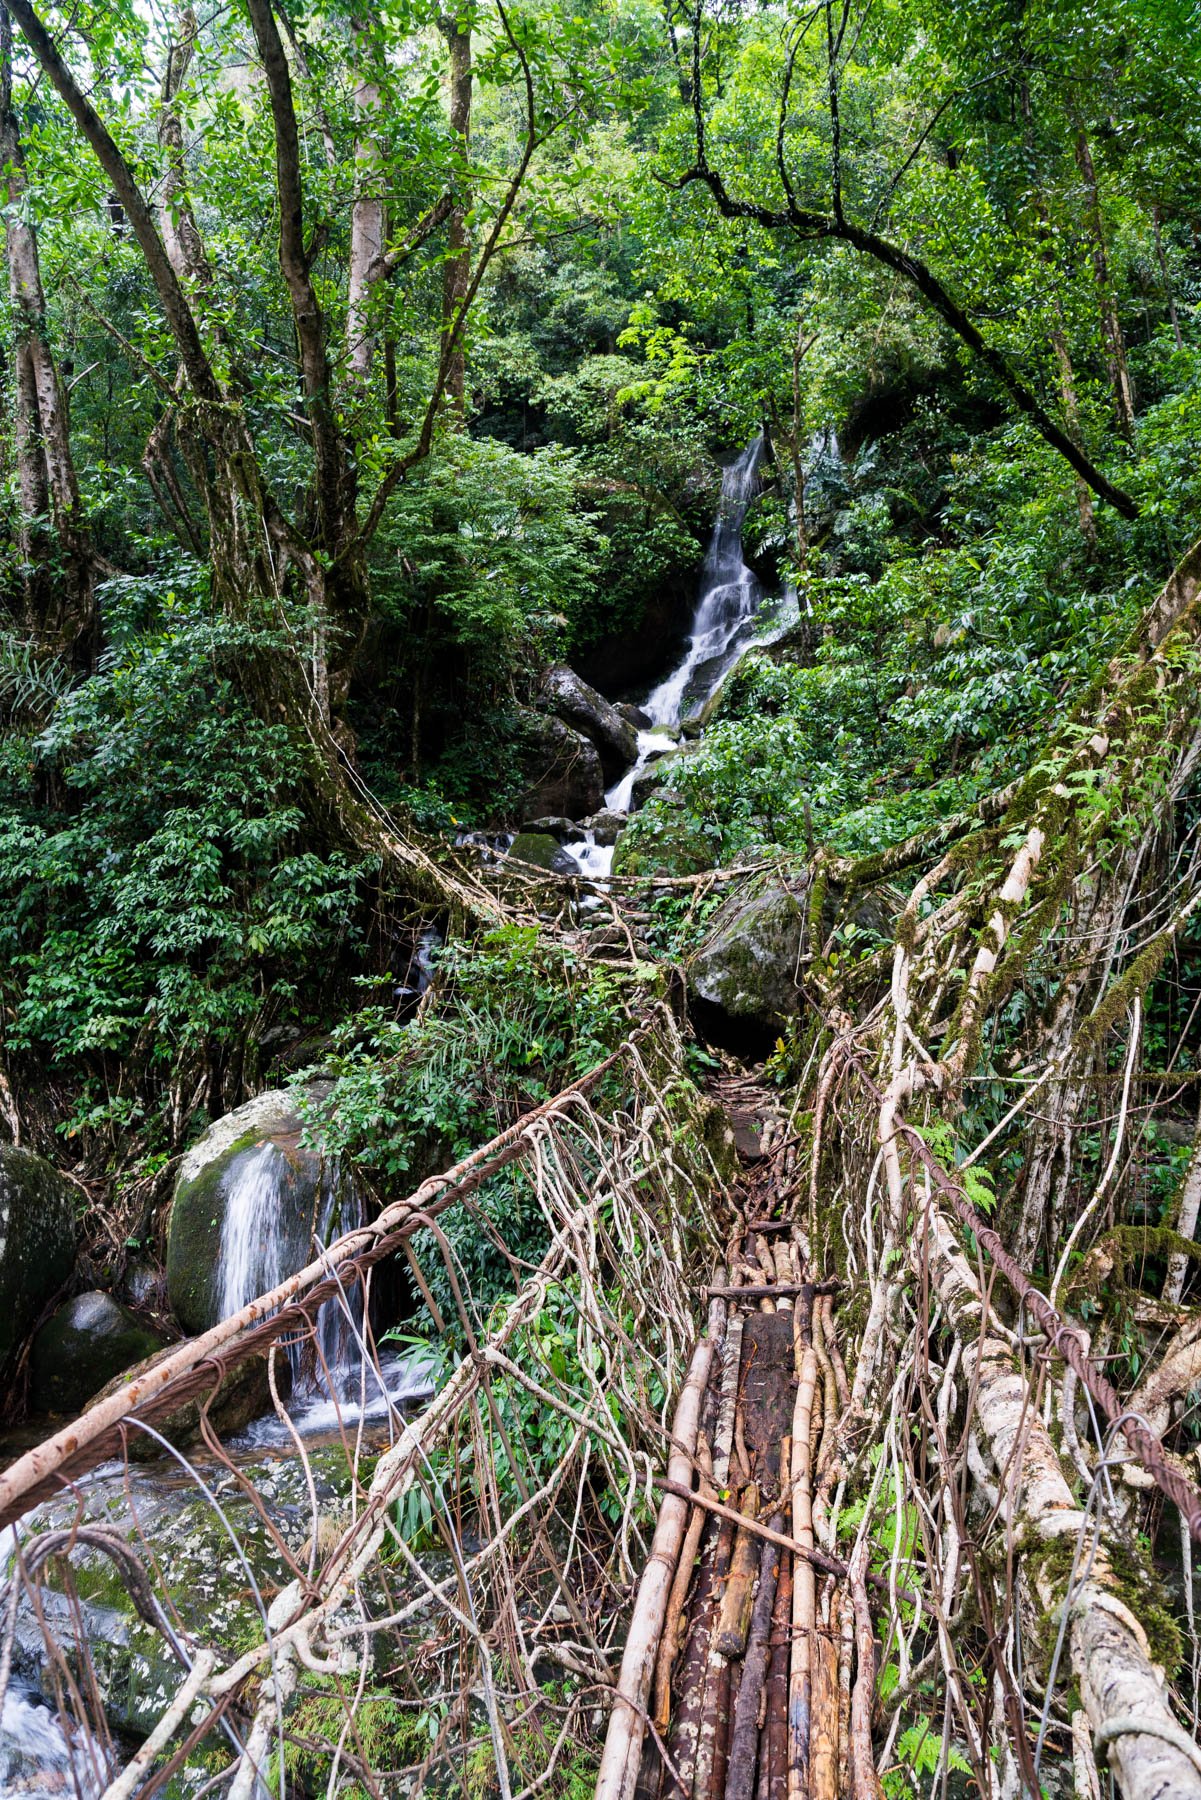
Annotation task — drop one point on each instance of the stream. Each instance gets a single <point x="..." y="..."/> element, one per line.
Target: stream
<point x="723" y="625"/>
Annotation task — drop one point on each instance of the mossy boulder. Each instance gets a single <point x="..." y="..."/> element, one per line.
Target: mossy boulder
<point x="668" y="840"/>
<point x="538" y="850"/>
<point x="585" y="710"/>
<point x="560" y="770"/>
<point x="229" y="1152"/>
<point x="38" y="1227"/>
<point x="79" y="1349"/>
<point x="747" y="971"/>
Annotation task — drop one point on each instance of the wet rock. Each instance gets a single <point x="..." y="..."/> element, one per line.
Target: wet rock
<point x="541" y="851"/>
<point x="634" y="715"/>
<point x="196" y="1562"/>
<point x="211" y="1171"/>
<point x="79" y="1349"/>
<point x="564" y="831"/>
<point x="672" y="842"/>
<point x="585" y="710"/>
<point x="606" y="826"/>
<point x="38" y="1224"/>
<point x="747" y="971"/>
<point x="561" y="770"/>
<point x="656" y="773"/>
<point x="233" y="1401"/>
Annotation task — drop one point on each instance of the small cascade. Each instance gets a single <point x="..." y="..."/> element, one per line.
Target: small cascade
<point x="41" y="1755"/>
<point x="722" y="625"/>
<point x="270" y="1228"/>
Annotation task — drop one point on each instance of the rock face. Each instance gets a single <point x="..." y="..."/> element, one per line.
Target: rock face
<point x="747" y="970"/>
<point x="37" y="1240"/>
<point x="606" y="827"/>
<point x="259" y="1141"/>
<point x="571" y="699"/>
<point x="564" y="831"/>
<point x="86" y="1343"/>
<point x="561" y="770"/>
<point x="241" y="1395"/>
<point x="539" y="850"/>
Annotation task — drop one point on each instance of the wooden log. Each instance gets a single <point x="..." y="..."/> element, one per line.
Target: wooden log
<point x="731" y="1364"/>
<point x="670" y="1641"/>
<point x="627" y="1722"/>
<point x="804" y="1589"/>
<point x="846" y="1644"/>
<point x="865" y="1783"/>
<point x="744" y="1734"/>
<point x="727" y="1693"/>
<point x="823" y="1757"/>
<point x="690" y="1683"/>
<point x="767" y="1392"/>
<point x="734" y="1619"/>
<point x="710" y="1671"/>
<point x="776" y="1727"/>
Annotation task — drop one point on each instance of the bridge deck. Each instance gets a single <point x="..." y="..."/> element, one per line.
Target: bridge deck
<point x="749" y="1668"/>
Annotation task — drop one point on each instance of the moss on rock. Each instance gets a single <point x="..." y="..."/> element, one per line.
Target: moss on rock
<point x="84" y="1345"/>
<point x="38" y="1225"/>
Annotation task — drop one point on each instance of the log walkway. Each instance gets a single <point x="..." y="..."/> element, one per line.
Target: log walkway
<point x="749" y="1668"/>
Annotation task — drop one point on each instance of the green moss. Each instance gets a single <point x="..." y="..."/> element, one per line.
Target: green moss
<point x="1133" y="1583"/>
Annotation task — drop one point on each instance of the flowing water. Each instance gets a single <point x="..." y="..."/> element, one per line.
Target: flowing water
<point x="41" y="1756"/>
<point x="336" y="1376"/>
<point x="722" y="626"/>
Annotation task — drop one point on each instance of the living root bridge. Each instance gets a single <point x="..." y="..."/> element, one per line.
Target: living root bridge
<point x="291" y="1307"/>
<point x="749" y="1667"/>
<point x="536" y="1569"/>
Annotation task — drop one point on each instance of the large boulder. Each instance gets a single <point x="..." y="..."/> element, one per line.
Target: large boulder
<point x="38" y="1225"/>
<point x="561" y="771"/>
<point x="83" y="1345"/>
<point x="259" y="1143"/>
<point x="538" y="850"/>
<point x="571" y="699"/>
<point x="745" y="976"/>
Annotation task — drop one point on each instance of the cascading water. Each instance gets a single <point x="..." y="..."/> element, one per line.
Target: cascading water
<point x="724" y="620"/>
<point x="266" y="1234"/>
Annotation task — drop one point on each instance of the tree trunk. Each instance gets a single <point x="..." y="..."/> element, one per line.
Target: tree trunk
<point x="456" y="273"/>
<point x="1165" y="275"/>
<point x="368" y="223"/>
<point x="59" y="606"/>
<point x="1111" y="325"/>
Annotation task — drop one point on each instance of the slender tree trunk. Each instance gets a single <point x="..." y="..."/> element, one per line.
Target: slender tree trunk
<point x="1165" y="276"/>
<point x="1111" y="325"/>
<point x="59" y="604"/>
<point x="1071" y="415"/>
<point x="456" y="274"/>
<point x="368" y="222"/>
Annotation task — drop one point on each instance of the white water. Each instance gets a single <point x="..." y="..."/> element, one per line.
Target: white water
<point x="332" y="1380"/>
<point x="38" y="1759"/>
<point x="721" y="626"/>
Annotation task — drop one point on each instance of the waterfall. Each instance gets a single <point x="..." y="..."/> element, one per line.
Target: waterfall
<point x="274" y="1223"/>
<point x="723" y="621"/>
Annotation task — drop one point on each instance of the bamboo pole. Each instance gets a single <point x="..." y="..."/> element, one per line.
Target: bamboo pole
<point x="627" y="1722"/>
<point x="823" y="1762"/>
<point x="804" y="1588"/>
<point x="669" y="1644"/>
